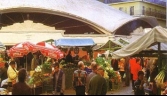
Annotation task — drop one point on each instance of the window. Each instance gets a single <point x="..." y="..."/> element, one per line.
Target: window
<point x="121" y="8"/>
<point x="143" y="10"/>
<point x="149" y="11"/>
<point x="132" y="10"/>
<point x="155" y="12"/>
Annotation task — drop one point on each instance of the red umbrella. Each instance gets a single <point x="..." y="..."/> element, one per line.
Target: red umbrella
<point x="21" y="49"/>
<point x="49" y="50"/>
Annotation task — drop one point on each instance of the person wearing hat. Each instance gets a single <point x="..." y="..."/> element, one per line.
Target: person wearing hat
<point x="12" y="73"/>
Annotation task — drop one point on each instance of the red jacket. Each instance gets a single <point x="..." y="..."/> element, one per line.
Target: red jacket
<point x="132" y="61"/>
<point x="136" y="68"/>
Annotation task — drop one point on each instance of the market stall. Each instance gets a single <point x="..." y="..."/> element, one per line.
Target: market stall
<point x="156" y="36"/>
<point x="39" y="77"/>
<point x="112" y="45"/>
<point x="81" y="49"/>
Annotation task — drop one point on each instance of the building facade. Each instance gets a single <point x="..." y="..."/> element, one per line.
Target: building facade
<point x="156" y="8"/>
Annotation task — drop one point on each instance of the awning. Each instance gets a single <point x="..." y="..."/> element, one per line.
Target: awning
<point x="157" y="34"/>
<point x="112" y="45"/>
<point x="74" y="42"/>
<point x="2" y="47"/>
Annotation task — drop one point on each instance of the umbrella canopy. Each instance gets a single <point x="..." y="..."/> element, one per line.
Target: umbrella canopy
<point x="49" y="50"/>
<point x="21" y="49"/>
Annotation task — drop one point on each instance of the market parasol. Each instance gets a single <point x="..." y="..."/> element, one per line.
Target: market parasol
<point x="21" y="49"/>
<point x="49" y="50"/>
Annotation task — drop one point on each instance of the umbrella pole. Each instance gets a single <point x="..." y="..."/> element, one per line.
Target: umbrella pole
<point x="26" y="62"/>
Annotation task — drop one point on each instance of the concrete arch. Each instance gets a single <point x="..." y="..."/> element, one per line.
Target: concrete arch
<point x="99" y="16"/>
<point x="149" y="22"/>
<point x="93" y="25"/>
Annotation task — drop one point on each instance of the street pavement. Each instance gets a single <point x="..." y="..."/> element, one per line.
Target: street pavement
<point x="121" y="91"/>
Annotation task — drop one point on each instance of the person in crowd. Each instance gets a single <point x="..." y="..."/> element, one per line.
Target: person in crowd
<point x="69" y="58"/>
<point x="98" y="84"/>
<point x="13" y="59"/>
<point x="139" y="89"/>
<point x="152" y="82"/>
<point x="93" y="73"/>
<point x="58" y="80"/>
<point x="88" y="69"/>
<point x="132" y="61"/>
<point x="21" y="87"/>
<point x="41" y="59"/>
<point x="79" y="79"/>
<point x="3" y="73"/>
<point x="12" y="73"/>
<point x="121" y="67"/>
<point x="114" y="64"/>
<point x="127" y="72"/>
<point x="137" y="68"/>
<point x="76" y="59"/>
<point x="34" y="61"/>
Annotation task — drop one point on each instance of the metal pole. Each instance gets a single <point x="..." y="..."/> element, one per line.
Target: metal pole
<point x="159" y="63"/>
<point x="26" y="63"/>
<point x="166" y="13"/>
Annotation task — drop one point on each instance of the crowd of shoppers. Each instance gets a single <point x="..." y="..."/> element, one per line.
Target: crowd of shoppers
<point x="86" y="81"/>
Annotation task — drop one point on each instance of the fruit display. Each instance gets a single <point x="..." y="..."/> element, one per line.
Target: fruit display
<point x="159" y="79"/>
<point x="109" y="72"/>
<point x="40" y="74"/>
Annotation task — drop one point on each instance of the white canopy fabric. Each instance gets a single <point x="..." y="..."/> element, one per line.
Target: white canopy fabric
<point x="157" y="34"/>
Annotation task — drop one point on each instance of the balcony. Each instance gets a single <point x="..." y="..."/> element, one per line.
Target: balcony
<point x="159" y="2"/>
<point x="157" y="14"/>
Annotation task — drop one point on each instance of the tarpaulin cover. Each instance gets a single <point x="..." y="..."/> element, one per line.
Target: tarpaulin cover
<point x="157" y="34"/>
<point x="74" y="42"/>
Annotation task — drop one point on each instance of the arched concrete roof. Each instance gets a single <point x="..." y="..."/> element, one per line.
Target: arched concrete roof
<point x="92" y="12"/>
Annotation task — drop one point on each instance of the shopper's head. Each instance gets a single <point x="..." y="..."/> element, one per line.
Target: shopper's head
<point x="56" y="66"/>
<point x="13" y="64"/>
<point x="100" y="71"/>
<point x="94" y="66"/>
<point x="138" y="60"/>
<point x="141" y="75"/>
<point x="81" y="65"/>
<point x="22" y="75"/>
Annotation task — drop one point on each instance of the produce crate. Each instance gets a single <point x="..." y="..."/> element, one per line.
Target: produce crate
<point x="116" y="86"/>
